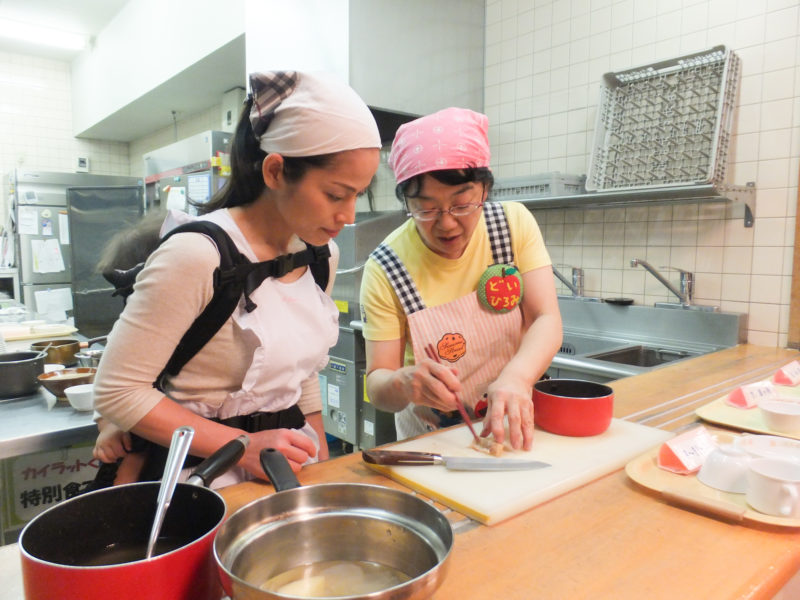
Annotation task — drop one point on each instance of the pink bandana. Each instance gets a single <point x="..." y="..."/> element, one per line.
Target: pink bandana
<point x="453" y="138"/>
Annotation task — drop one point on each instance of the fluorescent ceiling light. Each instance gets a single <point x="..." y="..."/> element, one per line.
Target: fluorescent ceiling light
<point x="42" y="36"/>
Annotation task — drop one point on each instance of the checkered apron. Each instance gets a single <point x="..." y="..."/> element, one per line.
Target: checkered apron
<point x="491" y="338"/>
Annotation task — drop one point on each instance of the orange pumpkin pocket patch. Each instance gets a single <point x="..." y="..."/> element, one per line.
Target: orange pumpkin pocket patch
<point x="451" y="347"/>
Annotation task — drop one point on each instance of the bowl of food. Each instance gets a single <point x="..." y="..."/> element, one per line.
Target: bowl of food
<point x="572" y="407"/>
<point x="58" y="381"/>
<point x="81" y="397"/>
<point x="781" y="415"/>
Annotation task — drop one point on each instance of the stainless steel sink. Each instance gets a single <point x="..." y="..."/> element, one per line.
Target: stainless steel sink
<point x="642" y="356"/>
<point x="575" y="345"/>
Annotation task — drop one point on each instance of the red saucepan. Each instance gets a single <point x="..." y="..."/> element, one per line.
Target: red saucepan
<point x="68" y="550"/>
<point x="572" y="407"/>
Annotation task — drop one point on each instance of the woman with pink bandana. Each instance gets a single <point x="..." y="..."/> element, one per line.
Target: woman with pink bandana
<point x="431" y="285"/>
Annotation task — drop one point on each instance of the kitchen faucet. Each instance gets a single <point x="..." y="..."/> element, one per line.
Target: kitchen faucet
<point x="576" y="285"/>
<point x="687" y="280"/>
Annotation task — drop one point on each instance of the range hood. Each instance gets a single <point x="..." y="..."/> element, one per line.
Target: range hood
<point x="389" y="121"/>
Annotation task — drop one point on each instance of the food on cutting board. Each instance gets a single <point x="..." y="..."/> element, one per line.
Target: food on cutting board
<point x="684" y="454"/>
<point x="748" y="396"/>
<point x="488" y="446"/>
<point x="788" y="374"/>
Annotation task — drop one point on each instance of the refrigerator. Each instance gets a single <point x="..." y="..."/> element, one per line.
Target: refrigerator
<point x="96" y="214"/>
<point x="44" y="241"/>
<point x="194" y="168"/>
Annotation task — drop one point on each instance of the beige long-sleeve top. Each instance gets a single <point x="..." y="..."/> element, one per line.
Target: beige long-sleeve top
<point x="172" y="289"/>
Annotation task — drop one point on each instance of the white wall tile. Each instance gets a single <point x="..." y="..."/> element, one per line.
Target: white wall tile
<point x="765" y="288"/>
<point x="776" y="114"/>
<point x="768" y="260"/>
<point x="749" y="31"/>
<point x="772" y="202"/>
<point x="764" y="317"/>
<point x="780" y="54"/>
<point x="736" y="287"/>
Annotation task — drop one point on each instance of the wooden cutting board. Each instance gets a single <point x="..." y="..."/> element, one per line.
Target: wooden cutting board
<point x="12" y="334"/>
<point x="492" y="497"/>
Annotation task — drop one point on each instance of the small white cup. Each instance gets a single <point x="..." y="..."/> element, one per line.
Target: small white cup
<point x="725" y="468"/>
<point x="781" y="415"/>
<point x="50" y="367"/>
<point x="773" y="487"/>
<point x="81" y="397"/>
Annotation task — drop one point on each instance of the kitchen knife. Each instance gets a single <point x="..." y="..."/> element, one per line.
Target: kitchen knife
<point x="457" y="463"/>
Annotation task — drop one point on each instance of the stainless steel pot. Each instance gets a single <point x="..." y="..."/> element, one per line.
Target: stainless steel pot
<point x="59" y="352"/>
<point x="19" y="372"/>
<point x="332" y="522"/>
<point x="64" y="352"/>
<point x="89" y="358"/>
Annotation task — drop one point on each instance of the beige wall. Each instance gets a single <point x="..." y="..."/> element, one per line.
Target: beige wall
<point x="36" y="122"/>
<point x="544" y="63"/>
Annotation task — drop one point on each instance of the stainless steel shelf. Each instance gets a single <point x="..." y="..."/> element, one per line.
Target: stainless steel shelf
<point x="745" y="195"/>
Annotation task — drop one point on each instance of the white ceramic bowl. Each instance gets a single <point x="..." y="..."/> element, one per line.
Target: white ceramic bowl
<point x="781" y="415"/>
<point x="725" y="469"/>
<point x="81" y="397"/>
<point x="50" y="367"/>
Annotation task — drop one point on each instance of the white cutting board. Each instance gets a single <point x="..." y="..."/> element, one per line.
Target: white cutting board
<point x="493" y="496"/>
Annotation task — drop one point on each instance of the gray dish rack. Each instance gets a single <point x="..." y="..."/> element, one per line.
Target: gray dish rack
<point x="538" y="186"/>
<point x="665" y="124"/>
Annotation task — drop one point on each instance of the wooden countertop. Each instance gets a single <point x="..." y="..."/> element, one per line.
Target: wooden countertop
<point x="612" y="538"/>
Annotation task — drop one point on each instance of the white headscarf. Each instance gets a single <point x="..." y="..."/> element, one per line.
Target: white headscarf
<point x="305" y="114"/>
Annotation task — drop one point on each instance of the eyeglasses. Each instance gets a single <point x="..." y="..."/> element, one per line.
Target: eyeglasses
<point x="459" y="210"/>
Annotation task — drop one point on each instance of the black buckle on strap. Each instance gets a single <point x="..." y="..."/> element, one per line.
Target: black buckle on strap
<point x="283" y="264"/>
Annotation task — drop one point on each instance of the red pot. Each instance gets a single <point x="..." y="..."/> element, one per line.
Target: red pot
<point x="572" y="407"/>
<point x="62" y="547"/>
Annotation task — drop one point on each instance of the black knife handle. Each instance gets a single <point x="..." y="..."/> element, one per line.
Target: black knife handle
<point x="399" y="457"/>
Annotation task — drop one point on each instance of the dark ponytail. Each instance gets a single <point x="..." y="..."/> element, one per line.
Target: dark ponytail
<point x="245" y="183"/>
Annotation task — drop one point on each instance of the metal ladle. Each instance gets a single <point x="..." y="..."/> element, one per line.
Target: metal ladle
<point x="178" y="449"/>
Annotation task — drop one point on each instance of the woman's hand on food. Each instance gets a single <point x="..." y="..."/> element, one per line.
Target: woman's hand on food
<point x="295" y="446"/>
<point x="429" y="383"/>
<point x="112" y="442"/>
<point x="514" y="402"/>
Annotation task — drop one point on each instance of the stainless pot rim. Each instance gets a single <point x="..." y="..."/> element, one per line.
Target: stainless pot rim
<point x="33" y="355"/>
<point x="286" y="507"/>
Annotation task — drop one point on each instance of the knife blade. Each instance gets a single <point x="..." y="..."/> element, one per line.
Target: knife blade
<point x="455" y="463"/>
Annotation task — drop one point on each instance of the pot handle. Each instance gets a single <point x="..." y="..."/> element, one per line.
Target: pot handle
<point x="91" y="341"/>
<point x="219" y="462"/>
<point x="278" y="470"/>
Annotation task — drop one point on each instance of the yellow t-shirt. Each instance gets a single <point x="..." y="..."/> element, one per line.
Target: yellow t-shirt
<point x="440" y="280"/>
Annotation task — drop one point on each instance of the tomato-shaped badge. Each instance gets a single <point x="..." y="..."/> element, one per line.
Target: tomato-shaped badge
<point x="500" y="288"/>
<point x="451" y="347"/>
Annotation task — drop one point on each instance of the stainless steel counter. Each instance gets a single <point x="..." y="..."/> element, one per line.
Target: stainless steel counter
<point x="37" y="423"/>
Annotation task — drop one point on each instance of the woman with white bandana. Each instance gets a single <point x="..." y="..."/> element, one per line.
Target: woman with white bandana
<point x="460" y="299"/>
<point x="306" y="146"/>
